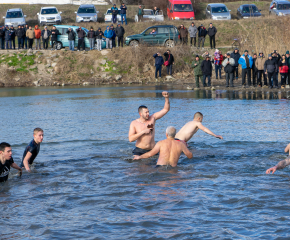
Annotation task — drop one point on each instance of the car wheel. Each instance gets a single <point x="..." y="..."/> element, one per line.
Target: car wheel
<point x="58" y="46"/>
<point x="134" y="43"/>
<point x="169" y="43"/>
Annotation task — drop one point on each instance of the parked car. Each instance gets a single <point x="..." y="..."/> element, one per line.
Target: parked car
<point x="280" y="8"/>
<point x="150" y="16"/>
<point x="217" y="11"/>
<point x="248" y="10"/>
<point x="14" y="17"/>
<point x="49" y="16"/>
<point x="86" y="13"/>
<point x="165" y="35"/>
<point x="108" y="15"/>
<point x="180" y="10"/>
<point x="62" y="39"/>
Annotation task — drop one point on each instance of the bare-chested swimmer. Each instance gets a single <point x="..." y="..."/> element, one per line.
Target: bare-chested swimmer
<point x="142" y="129"/>
<point x="190" y="128"/>
<point x="282" y="164"/>
<point x="169" y="150"/>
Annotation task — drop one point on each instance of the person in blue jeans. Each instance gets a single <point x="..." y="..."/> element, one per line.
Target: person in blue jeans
<point x="114" y="10"/>
<point x="159" y="61"/>
<point x="71" y="39"/>
<point x="123" y="13"/>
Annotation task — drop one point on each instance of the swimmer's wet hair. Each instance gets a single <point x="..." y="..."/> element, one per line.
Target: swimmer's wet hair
<point x="4" y="145"/>
<point x="141" y="108"/>
<point x="171" y="131"/>
<point x="197" y="115"/>
<point x="36" y="130"/>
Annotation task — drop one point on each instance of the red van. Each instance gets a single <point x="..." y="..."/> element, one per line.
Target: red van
<point x="180" y="9"/>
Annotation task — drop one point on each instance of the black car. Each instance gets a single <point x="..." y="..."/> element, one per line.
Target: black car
<point x="248" y="10"/>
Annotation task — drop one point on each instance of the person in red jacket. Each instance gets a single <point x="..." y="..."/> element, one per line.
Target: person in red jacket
<point x="283" y="69"/>
<point x="37" y="32"/>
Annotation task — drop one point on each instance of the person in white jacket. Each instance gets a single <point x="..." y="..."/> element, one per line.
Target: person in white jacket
<point x="228" y="65"/>
<point x="192" y="33"/>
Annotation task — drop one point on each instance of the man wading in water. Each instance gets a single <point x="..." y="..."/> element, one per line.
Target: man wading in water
<point x="190" y="128"/>
<point x="142" y="129"/>
<point x="169" y="150"/>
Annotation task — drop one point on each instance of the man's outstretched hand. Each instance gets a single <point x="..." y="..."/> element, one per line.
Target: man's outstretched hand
<point x="136" y="157"/>
<point x="165" y="94"/>
<point x="272" y="169"/>
<point x="219" y="136"/>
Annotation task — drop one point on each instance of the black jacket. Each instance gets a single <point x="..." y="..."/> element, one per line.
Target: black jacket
<point x="54" y="34"/>
<point x="236" y="57"/>
<point x="48" y="33"/>
<point x="201" y="32"/>
<point x="206" y="67"/>
<point x="120" y="31"/>
<point x="270" y="66"/>
<point x="99" y="34"/>
<point x="171" y="58"/>
<point x="20" y="32"/>
<point x="91" y="34"/>
<point x="2" y="33"/>
<point x="277" y="59"/>
<point x="13" y="33"/>
<point x="211" y="31"/>
<point x="123" y="9"/>
<point x="71" y="35"/>
<point x="255" y="69"/>
<point x="81" y="33"/>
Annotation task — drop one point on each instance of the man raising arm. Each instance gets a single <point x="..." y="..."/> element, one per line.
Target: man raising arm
<point x="142" y="129"/>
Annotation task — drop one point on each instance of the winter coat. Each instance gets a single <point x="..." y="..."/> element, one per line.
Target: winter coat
<point x="236" y="57"/>
<point x="91" y="34"/>
<point x="42" y="34"/>
<point x="7" y="34"/>
<point x="99" y="34"/>
<point x="211" y="31"/>
<point x="192" y="31"/>
<point x="277" y="59"/>
<point x="37" y="32"/>
<point x="254" y="67"/>
<point x="108" y="33"/>
<point x="206" y="67"/>
<point x="287" y="59"/>
<point x="20" y="33"/>
<point x="270" y="66"/>
<point x="114" y="34"/>
<point x="81" y="33"/>
<point x="283" y="67"/>
<point x="2" y="33"/>
<point x="183" y="32"/>
<point x="260" y="62"/>
<point x="158" y="60"/>
<point x="201" y="31"/>
<point x="142" y="11"/>
<point x="218" y="62"/>
<point x="54" y="34"/>
<point x="242" y="61"/>
<point x="229" y="68"/>
<point x="123" y="9"/>
<point x="197" y="67"/>
<point x="30" y="34"/>
<point x="114" y="11"/>
<point x="120" y="31"/>
<point x="12" y="33"/>
<point x="169" y="59"/>
<point x="71" y="35"/>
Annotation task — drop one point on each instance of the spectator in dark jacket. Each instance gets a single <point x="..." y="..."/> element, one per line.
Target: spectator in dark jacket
<point x="54" y="33"/>
<point x="254" y="69"/>
<point x="99" y="35"/>
<point x="197" y="70"/>
<point x="288" y="63"/>
<point x="270" y="69"/>
<point x="8" y="38"/>
<point x="276" y="56"/>
<point x="211" y="33"/>
<point x="114" y="10"/>
<point x="283" y="67"/>
<point x="158" y="63"/>
<point x="81" y="38"/>
<point x="123" y="13"/>
<point x="236" y="56"/>
<point x="20" y="36"/>
<point x="169" y="57"/>
<point x="91" y="37"/>
<point x="114" y="36"/>
<point x="183" y="34"/>
<point x="2" y="37"/>
<point x="71" y="35"/>
<point x="201" y="35"/>
<point x="25" y="38"/>
<point x="156" y="10"/>
<point x="120" y="31"/>
<point x="45" y="33"/>
<point x="13" y="34"/>
<point x="206" y="68"/>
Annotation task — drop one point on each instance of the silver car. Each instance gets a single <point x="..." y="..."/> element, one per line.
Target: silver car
<point x="217" y="11"/>
<point x="87" y="13"/>
<point x="150" y="16"/>
<point x="279" y="8"/>
<point x="14" y="17"/>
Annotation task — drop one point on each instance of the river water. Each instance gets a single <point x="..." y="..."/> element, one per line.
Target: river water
<point x="85" y="186"/>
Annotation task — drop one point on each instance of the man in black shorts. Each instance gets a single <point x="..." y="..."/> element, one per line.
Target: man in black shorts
<point x="6" y="161"/>
<point x="32" y="150"/>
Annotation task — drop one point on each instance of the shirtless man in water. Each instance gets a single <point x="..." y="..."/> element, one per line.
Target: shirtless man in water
<point x="282" y="164"/>
<point x="169" y="150"/>
<point x="143" y="128"/>
<point x="190" y="128"/>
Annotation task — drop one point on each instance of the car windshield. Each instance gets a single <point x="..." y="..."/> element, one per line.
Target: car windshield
<point x="110" y="11"/>
<point x="49" y="11"/>
<point x="148" y="12"/>
<point x="283" y="6"/>
<point x="250" y="9"/>
<point x="219" y="9"/>
<point x="16" y="14"/>
<point x="183" y="8"/>
<point x="87" y="10"/>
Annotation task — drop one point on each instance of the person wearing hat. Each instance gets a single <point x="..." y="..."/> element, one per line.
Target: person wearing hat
<point x="99" y="36"/>
<point x="140" y="13"/>
<point x="192" y="34"/>
<point x="114" y="10"/>
<point x="211" y="33"/>
<point x="201" y="35"/>
<point x="120" y="31"/>
<point x="246" y="62"/>
<point x="7" y="37"/>
<point x="108" y="34"/>
<point x="30" y="34"/>
<point x="91" y="36"/>
<point x="20" y="35"/>
<point x="288" y="62"/>
<point x="260" y="62"/>
<point x="123" y="13"/>
<point x="54" y="33"/>
<point x="196" y="65"/>
<point x="283" y="68"/>
<point x="206" y="68"/>
<point x="228" y="65"/>
<point x="270" y="69"/>
<point x="12" y="32"/>
<point x="37" y="32"/>
<point x="45" y="33"/>
<point x="236" y="56"/>
<point x="183" y="32"/>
